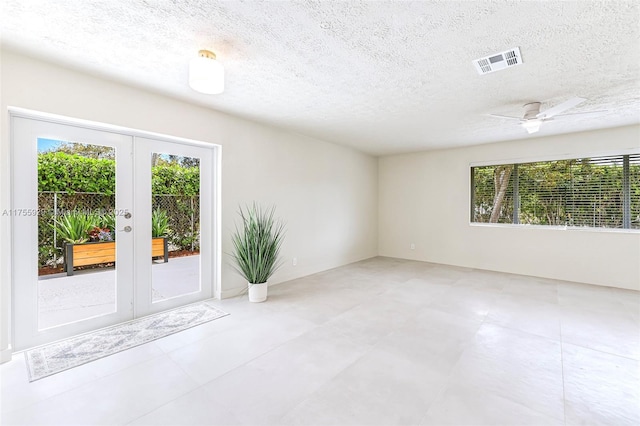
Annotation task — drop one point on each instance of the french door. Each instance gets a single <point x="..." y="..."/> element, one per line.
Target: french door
<point x="107" y="227"/>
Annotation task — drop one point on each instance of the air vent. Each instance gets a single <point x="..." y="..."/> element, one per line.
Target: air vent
<point x="498" y="61"/>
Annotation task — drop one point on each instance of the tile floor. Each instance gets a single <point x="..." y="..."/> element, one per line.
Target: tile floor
<point x="382" y="341"/>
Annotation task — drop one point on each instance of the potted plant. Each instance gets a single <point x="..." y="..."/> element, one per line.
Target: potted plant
<point x="74" y="227"/>
<point x="159" y="223"/>
<point x="256" y="248"/>
<point x="159" y="229"/>
<point x="89" y="239"/>
<point x="85" y="242"/>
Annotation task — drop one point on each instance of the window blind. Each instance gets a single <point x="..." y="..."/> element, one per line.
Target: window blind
<point x="601" y="192"/>
<point x="634" y="191"/>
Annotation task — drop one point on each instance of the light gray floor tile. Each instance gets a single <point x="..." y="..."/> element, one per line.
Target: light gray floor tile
<point x="600" y="388"/>
<point x="631" y="300"/>
<point x="465" y="302"/>
<point x="432" y="338"/>
<point x="194" y="408"/>
<point x="380" y="388"/>
<point x="201" y="332"/>
<point x="526" y="314"/>
<point x="18" y="393"/>
<point x="531" y="287"/>
<point x="382" y="341"/>
<point x="263" y="390"/>
<point x="613" y="332"/>
<point x="115" y="399"/>
<point x="519" y="366"/>
<point x="369" y="322"/>
<point x="460" y="405"/>
<point x="594" y="298"/>
<point x="417" y="292"/>
<point x="214" y="356"/>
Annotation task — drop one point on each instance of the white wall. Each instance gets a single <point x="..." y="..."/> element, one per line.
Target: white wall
<point x="326" y="193"/>
<point x="425" y="199"/>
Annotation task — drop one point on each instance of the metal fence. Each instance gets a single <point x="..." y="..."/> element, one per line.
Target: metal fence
<point x="184" y="220"/>
<point x="183" y="213"/>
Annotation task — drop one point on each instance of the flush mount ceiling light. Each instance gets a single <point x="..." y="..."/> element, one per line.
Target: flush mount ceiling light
<point x="532" y="125"/>
<point x="206" y="74"/>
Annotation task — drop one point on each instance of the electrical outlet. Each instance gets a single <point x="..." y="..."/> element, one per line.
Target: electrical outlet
<point x="412" y="246"/>
<point x="295" y="261"/>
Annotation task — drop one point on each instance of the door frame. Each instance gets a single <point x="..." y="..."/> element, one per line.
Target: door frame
<point x="7" y="322"/>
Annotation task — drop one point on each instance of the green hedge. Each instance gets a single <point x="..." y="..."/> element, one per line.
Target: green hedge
<point x="59" y="171"/>
<point x="173" y="179"/>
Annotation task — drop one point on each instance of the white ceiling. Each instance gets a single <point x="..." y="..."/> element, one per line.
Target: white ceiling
<point x="383" y="77"/>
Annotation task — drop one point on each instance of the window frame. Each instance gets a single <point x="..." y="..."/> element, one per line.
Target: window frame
<point x="546" y="158"/>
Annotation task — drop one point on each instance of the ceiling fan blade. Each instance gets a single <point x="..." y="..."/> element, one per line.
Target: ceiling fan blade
<point x="553" y="111"/>
<point x="581" y="114"/>
<point x="507" y="117"/>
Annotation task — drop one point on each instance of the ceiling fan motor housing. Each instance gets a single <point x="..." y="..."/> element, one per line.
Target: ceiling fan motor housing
<point x="531" y="110"/>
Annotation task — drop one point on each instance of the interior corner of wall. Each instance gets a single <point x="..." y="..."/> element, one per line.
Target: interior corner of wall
<point x="232" y="292"/>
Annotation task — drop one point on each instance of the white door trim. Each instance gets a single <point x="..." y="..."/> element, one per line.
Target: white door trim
<point x="112" y="128"/>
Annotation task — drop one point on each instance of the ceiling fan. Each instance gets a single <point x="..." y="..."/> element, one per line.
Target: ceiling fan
<point x="533" y="117"/>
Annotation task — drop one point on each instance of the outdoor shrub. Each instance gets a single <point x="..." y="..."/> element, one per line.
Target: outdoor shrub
<point x="74" y="226"/>
<point x="159" y="223"/>
<point x="175" y="179"/>
<point x="108" y="221"/>
<point x="58" y="171"/>
<point x="185" y="241"/>
<point x="46" y="254"/>
<point x="62" y="172"/>
<point x="72" y="182"/>
<point x="100" y="234"/>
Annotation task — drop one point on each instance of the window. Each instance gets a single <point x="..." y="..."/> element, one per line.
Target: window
<point x="599" y="192"/>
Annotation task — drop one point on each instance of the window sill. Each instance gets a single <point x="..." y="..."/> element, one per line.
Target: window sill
<point x="555" y="228"/>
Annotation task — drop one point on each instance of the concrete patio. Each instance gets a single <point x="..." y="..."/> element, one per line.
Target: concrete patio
<point x="64" y="299"/>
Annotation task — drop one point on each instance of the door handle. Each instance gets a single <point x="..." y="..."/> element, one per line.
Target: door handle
<point x="126" y="229"/>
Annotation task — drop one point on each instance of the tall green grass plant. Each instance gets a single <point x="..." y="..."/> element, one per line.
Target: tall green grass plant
<point x="257" y="243"/>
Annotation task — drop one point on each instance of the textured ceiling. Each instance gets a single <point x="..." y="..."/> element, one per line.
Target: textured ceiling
<point x="383" y="77"/>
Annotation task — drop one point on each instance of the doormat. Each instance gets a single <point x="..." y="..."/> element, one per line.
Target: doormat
<point x="50" y="359"/>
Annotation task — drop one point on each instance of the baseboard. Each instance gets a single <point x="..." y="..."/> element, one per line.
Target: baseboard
<point x="233" y="292"/>
<point x="5" y="355"/>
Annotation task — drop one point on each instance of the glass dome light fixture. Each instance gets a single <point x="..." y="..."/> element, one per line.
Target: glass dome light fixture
<point x="206" y="74"/>
<point x="532" y="125"/>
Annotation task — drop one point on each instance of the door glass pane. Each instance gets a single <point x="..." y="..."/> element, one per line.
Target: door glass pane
<point x="175" y="225"/>
<point x="76" y="221"/>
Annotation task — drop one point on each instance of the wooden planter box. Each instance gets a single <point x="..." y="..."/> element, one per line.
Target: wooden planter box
<point x="104" y="252"/>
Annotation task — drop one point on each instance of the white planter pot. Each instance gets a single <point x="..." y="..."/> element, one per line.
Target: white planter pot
<point x="258" y="292"/>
